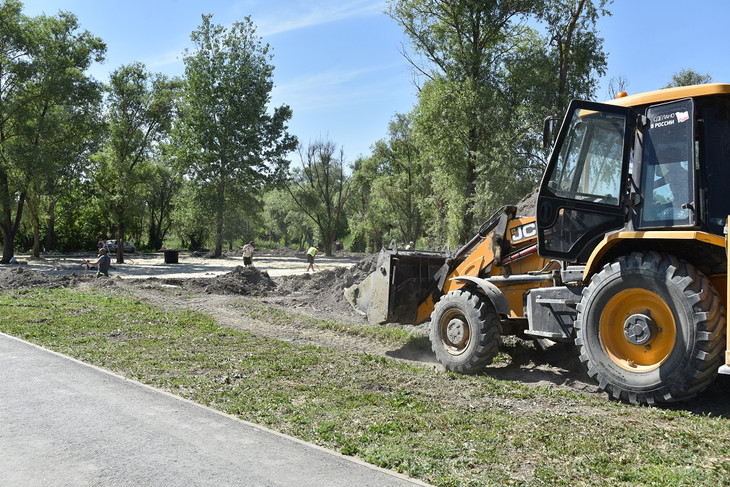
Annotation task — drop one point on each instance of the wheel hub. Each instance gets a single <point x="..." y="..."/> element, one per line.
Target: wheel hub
<point x="455" y="331"/>
<point x="638" y="329"/>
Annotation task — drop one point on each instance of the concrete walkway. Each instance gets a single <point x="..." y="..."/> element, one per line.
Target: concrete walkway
<point x="65" y="423"/>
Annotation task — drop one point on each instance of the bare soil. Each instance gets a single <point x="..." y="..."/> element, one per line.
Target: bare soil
<point x="224" y="292"/>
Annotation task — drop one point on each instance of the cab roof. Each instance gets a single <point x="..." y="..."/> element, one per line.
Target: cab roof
<point x="669" y="94"/>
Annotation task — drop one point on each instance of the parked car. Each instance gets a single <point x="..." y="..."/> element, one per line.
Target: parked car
<point x="112" y="246"/>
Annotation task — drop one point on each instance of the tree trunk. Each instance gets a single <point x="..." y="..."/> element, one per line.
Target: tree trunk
<point x="219" y="221"/>
<point x="51" y="231"/>
<point x="218" y="233"/>
<point x="36" y="234"/>
<point x="9" y="227"/>
<point x="120" y="242"/>
<point x="155" y="235"/>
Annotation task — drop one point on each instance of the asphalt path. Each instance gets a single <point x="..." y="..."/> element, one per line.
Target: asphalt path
<point x="66" y="423"/>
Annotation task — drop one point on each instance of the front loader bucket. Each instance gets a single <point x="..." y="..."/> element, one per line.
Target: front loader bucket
<point x="401" y="281"/>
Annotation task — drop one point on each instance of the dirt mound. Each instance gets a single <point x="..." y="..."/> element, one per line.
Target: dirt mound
<point x="325" y="289"/>
<point x="527" y="206"/>
<point x="247" y="281"/>
<point x="20" y="277"/>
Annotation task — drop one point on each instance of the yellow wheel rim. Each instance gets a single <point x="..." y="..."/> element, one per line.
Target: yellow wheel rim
<point x="455" y="333"/>
<point x="637" y="330"/>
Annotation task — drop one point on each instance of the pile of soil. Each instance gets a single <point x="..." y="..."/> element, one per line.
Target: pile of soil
<point x="246" y="281"/>
<point x="19" y="278"/>
<point x="325" y="289"/>
<point x="527" y="206"/>
<point x="321" y="292"/>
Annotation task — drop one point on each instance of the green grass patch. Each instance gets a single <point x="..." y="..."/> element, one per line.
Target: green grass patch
<point x="446" y="429"/>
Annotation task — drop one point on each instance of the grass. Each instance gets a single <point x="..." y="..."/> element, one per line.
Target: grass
<point x="390" y="335"/>
<point x="446" y="429"/>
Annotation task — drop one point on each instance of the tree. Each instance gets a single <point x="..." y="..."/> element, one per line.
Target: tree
<point x="575" y="45"/>
<point x="461" y="41"/>
<point x="65" y="139"/>
<point x="190" y="216"/>
<point x="42" y="64"/>
<point x="162" y="187"/>
<point x="617" y="85"/>
<point x="490" y="79"/>
<point x="140" y="108"/>
<point x="321" y="189"/>
<point x="368" y="219"/>
<point x="400" y="183"/>
<point x="235" y="145"/>
<point x="687" y="77"/>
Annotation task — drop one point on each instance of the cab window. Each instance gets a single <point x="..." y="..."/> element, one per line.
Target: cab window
<point x="590" y="162"/>
<point x="667" y="173"/>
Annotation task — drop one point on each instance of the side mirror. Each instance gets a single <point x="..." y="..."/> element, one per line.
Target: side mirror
<point x="549" y="131"/>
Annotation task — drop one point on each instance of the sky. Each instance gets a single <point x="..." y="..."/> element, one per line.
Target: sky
<point x="338" y="63"/>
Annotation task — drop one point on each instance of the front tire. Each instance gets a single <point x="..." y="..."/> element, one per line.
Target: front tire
<point x="650" y="328"/>
<point x="465" y="332"/>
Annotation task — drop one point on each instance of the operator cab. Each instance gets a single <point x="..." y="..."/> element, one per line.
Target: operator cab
<point x="651" y="162"/>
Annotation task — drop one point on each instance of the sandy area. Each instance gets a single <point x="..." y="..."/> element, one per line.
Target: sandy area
<point x="141" y="266"/>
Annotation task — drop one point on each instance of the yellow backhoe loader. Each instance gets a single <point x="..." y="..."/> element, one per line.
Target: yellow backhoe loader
<point x="624" y="253"/>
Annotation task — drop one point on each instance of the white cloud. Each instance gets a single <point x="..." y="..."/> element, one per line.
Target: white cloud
<point x="165" y="60"/>
<point x="305" y="14"/>
<point x="333" y="88"/>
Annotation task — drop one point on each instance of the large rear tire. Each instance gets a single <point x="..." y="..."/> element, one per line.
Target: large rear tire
<point x="650" y="328"/>
<point x="465" y="332"/>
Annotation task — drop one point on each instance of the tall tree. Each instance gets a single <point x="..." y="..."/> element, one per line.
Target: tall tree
<point x="42" y="81"/>
<point x="140" y="110"/>
<point x="576" y="47"/>
<point x="401" y="184"/>
<point x="321" y="189"/>
<point x="162" y="187"/>
<point x="235" y="144"/>
<point x="461" y="42"/>
<point x="488" y="74"/>
<point x="369" y="221"/>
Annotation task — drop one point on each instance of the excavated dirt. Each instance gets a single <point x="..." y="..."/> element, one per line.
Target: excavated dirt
<point x="320" y="295"/>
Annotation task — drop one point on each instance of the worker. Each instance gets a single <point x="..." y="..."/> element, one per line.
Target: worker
<point x="248" y="254"/>
<point x="102" y="263"/>
<point x="311" y="253"/>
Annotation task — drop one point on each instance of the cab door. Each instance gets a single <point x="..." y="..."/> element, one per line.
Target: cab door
<point x="668" y="167"/>
<point x="583" y="192"/>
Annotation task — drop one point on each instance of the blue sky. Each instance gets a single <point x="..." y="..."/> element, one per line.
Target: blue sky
<point x="338" y="64"/>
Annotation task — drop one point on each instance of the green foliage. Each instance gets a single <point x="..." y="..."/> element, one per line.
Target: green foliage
<point x="234" y="143"/>
<point x="687" y="77"/>
<point x="389" y="191"/>
<point x="489" y="82"/>
<point x="284" y="221"/>
<point x="191" y="216"/>
<point x="321" y="189"/>
<point x="47" y="99"/>
<point x="163" y="184"/>
<point x="139" y="116"/>
<point x="207" y="164"/>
